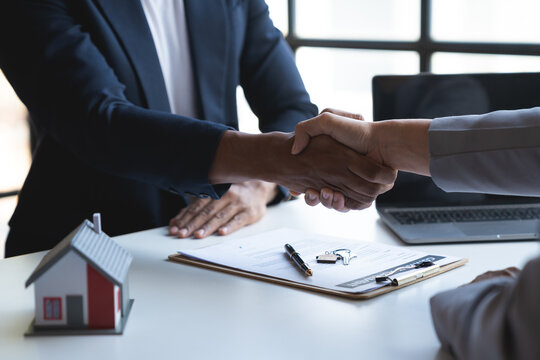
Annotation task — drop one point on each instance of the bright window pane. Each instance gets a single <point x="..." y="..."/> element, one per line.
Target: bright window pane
<point x="14" y="152"/>
<point x="482" y="63"/>
<point x="247" y="121"/>
<point x="486" y="20"/>
<point x="342" y="78"/>
<point x="278" y="14"/>
<point x="358" y="19"/>
<point x="14" y="146"/>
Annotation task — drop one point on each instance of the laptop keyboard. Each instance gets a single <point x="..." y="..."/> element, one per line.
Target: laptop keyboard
<point x="465" y="215"/>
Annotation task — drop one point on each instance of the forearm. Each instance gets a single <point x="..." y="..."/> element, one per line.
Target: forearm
<point x="403" y="144"/>
<point x="491" y="319"/>
<point x="470" y="320"/>
<point x="242" y="157"/>
<point x="485" y="146"/>
<point x="324" y="164"/>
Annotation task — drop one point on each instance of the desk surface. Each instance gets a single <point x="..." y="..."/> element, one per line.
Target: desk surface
<point x="187" y="312"/>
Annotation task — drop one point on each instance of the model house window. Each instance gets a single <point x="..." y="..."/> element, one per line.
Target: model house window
<point x="52" y="308"/>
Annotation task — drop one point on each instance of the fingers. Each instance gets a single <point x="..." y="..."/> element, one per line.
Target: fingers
<point x="237" y="222"/>
<point x="322" y="124"/>
<point x="194" y="216"/>
<point x="358" y="191"/>
<point x="338" y="202"/>
<point x="511" y="272"/>
<point x="312" y="197"/>
<point x="335" y="169"/>
<point x="355" y="205"/>
<point x="305" y="130"/>
<point x="333" y="200"/>
<point x="349" y="132"/>
<point x="177" y="224"/>
<point x="373" y="172"/>
<point x="216" y="223"/>
<point x="243" y="204"/>
<point x="343" y="113"/>
<point x="329" y="198"/>
<point x="373" y="180"/>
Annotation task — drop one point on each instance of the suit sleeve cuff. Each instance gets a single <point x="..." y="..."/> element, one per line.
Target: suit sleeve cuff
<point x="283" y="194"/>
<point x="192" y="180"/>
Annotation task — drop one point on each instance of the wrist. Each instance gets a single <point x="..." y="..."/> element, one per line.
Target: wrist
<point x="272" y="191"/>
<point x="266" y="190"/>
<point x="403" y="144"/>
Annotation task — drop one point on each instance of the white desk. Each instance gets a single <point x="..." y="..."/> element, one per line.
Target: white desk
<point x="183" y="312"/>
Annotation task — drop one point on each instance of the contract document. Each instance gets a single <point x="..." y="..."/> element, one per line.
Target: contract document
<point x="263" y="255"/>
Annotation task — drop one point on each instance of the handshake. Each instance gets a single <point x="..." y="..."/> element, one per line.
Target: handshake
<point x="335" y="158"/>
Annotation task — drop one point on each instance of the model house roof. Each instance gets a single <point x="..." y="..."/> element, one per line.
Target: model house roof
<point x="97" y="248"/>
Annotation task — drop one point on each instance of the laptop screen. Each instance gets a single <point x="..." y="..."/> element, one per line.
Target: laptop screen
<point x="430" y="96"/>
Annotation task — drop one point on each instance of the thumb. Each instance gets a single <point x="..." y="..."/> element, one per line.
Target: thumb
<point x="343" y="113"/>
<point x="304" y="131"/>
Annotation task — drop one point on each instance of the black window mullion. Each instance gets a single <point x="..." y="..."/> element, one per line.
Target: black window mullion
<point x="425" y="46"/>
<point x="291" y="24"/>
<point x="8" y="193"/>
<point x="424" y="49"/>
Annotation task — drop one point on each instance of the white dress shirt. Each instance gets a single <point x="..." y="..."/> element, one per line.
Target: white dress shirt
<point x="167" y="22"/>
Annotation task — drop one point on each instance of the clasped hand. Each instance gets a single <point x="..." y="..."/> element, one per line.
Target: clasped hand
<point x="374" y="178"/>
<point x="331" y="158"/>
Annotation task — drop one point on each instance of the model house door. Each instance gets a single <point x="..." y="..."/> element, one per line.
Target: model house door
<point x="74" y="311"/>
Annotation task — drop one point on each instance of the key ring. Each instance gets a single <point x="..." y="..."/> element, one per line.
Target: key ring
<point x="338" y="250"/>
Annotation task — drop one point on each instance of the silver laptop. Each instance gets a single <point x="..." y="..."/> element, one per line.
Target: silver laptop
<point x="416" y="209"/>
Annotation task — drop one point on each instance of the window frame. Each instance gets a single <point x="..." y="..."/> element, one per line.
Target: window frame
<point x="425" y="46"/>
<point x="53" y="300"/>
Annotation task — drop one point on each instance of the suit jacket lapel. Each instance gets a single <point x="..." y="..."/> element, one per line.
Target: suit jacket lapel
<point x="127" y="19"/>
<point x="208" y="28"/>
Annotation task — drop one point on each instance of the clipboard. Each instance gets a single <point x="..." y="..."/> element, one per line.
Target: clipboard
<point x="179" y="258"/>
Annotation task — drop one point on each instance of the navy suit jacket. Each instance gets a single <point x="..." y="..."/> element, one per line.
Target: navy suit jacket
<point x="89" y="74"/>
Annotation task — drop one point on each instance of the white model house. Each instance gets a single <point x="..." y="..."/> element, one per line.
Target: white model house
<point x="82" y="283"/>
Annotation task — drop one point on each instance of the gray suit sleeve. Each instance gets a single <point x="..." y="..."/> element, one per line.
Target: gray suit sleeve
<point x="497" y="153"/>
<point x="492" y="319"/>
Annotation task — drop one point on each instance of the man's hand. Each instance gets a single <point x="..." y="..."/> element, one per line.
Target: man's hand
<point x="346" y="128"/>
<point x="397" y="144"/>
<point x="512" y="272"/>
<point x="244" y="204"/>
<point x="326" y="163"/>
<point x="329" y="164"/>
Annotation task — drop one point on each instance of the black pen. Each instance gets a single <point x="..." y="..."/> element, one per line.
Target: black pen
<point x="295" y="256"/>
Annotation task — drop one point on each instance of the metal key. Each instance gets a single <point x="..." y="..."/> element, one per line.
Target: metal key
<point x="350" y="257"/>
<point x="346" y="255"/>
